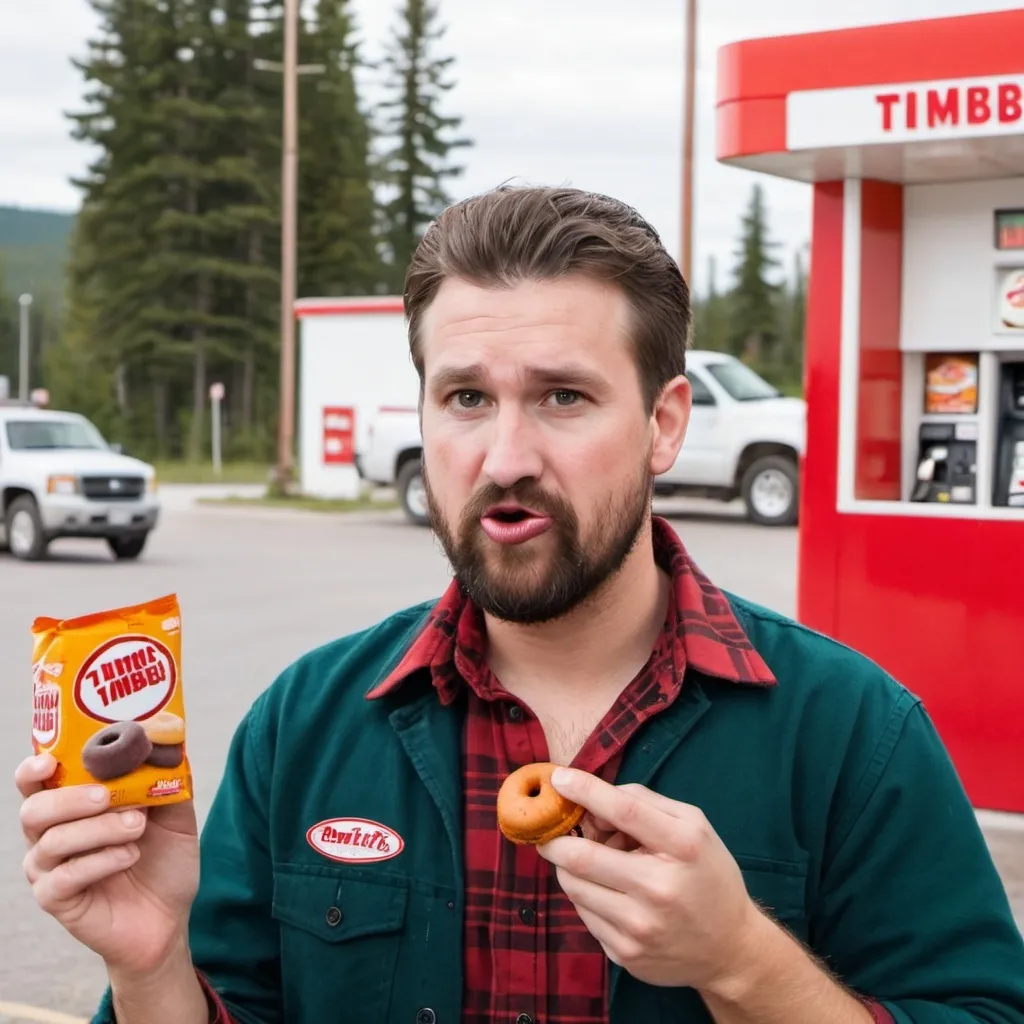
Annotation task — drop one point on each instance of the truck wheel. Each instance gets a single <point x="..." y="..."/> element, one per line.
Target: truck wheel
<point x="412" y="494"/>
<point x="771" y="491"/>
<point x="126" y="549"/>
<point x="25" y="536"/>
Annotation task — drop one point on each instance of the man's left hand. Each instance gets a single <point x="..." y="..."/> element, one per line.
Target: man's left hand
<point x="655" y="885"/>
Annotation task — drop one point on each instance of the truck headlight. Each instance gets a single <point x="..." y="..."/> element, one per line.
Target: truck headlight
<point x="62" y="485"/>
<point x="151" y="485"/>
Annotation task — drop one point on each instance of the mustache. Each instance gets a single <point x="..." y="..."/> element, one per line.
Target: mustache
<point x="525" y="493"/>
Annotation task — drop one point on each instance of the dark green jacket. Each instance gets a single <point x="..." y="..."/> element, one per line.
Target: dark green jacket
<point x="832" y="790"/>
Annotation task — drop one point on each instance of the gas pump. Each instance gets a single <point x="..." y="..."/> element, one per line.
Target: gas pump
<point x="947" y="463"/>
<point x="1009" y="475"/>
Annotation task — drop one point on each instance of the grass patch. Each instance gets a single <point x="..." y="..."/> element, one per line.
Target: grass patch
<point x="202" y="473"/>
<point x="306" y="504"/>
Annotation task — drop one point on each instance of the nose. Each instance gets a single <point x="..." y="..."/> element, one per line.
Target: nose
<point x="513" y="453"/>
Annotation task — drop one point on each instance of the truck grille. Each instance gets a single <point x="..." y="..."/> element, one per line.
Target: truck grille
<point x="113" y="488"/>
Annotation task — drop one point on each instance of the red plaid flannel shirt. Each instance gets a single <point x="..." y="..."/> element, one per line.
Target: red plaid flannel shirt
<point x="528" y="956"/>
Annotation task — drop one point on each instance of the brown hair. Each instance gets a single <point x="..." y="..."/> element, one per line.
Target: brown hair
<point x="515" y="233"/>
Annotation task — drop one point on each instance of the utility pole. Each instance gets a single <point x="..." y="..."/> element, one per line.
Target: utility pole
<point x="689" y="90"/>
<point x="25" y="301"/>
<point x="290" y="69"/>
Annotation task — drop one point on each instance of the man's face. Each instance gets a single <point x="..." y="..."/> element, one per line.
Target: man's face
<point x="538" y="452"/>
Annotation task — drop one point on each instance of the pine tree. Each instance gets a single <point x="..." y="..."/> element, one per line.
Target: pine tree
<point x="337" y="242"/>
<point x="753" y="315"/>
<point x="107" y="302"/>
<point x="711" y="315"/>
<point x="218" y="196"/>
<point x="416" y="165"/>
<point x="163" y="261"/>
<point x="174" y="278"/>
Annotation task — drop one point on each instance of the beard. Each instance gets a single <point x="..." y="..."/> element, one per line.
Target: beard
<point x="545" y="578"/>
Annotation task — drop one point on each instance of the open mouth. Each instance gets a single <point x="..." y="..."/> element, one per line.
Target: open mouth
<point x="509" y="514"/>
<point x="514" y="524"/>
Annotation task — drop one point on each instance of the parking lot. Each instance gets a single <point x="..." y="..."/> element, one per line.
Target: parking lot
<point x="257" y="588"/>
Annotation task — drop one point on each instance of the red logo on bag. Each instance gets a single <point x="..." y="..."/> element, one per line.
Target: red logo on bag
<point x="125" y="679"/>
<point x="355" y="840"/>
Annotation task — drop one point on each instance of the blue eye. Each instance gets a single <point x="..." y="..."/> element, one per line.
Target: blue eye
<point x="564" y="397"/>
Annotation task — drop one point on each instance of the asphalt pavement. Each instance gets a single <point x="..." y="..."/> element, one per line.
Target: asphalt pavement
<point x="258" y="587"/>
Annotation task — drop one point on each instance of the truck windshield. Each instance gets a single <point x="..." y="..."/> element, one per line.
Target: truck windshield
<point x="741" y="382"/>
<point x="31" y="435"/>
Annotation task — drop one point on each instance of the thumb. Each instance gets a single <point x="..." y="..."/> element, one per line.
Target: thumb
<point x="178" y="818"/>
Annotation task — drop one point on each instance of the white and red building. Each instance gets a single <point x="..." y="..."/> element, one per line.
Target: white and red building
<point x="353" y="362"/>
<point x="912" y="521"/>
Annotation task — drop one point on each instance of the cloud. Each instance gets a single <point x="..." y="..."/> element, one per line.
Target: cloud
<point x="580" y="91"/>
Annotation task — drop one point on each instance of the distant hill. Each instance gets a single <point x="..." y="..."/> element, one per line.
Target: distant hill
<point x="34" y="249"/>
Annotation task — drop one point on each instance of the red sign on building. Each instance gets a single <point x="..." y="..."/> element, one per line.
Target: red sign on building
<point x="339" y="428"/>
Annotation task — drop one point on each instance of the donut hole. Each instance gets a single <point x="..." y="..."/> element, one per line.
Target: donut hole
<point x="105" y="741"/>
<point x="534" y="790"/>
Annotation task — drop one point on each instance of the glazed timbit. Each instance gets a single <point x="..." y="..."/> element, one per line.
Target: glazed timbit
<point x="531" y="810"/>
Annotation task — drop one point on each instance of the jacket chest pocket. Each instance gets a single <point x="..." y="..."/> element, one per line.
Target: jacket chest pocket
<point x="780" y="888"/>
<point x="340" y="938"/>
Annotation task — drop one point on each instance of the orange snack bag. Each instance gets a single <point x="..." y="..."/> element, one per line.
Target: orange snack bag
<point x="107" y="702"/>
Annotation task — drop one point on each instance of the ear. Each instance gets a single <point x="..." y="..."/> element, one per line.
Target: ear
<point x="670" y="418"/>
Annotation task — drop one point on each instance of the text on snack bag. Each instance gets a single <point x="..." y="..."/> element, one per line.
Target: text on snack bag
<point x="45" y="714"/>
<point x="120" y="677"/>
<point x="127" y="678"/>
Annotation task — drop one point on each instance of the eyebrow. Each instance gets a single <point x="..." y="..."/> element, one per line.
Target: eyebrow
<point x="569" y="376"/>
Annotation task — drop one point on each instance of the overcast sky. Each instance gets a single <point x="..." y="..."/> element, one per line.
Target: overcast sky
<point x="581" y="92"/>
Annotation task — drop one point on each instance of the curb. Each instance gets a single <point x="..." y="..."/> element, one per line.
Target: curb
<point x="20" y="1013"/>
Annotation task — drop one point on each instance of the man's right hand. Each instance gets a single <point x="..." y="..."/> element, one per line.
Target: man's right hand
<point x="121" y="882"/>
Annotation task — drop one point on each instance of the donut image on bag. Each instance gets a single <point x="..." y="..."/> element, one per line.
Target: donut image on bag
<point x="107" y="702"/>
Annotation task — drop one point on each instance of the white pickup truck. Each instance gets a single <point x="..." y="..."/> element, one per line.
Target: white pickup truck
<point x="745" y="440"/>
<point x="60" y="478"/>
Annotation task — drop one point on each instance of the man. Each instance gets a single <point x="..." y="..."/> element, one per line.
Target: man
<point x="775" y="834"/>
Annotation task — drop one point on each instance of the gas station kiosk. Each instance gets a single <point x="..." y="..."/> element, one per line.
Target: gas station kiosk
<point x="912" y="508"/>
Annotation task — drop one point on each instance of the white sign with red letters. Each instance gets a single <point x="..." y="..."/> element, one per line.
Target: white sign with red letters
<point x="952" y="109"/>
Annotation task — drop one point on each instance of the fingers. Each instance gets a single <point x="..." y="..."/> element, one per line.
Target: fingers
<point x="76" y="838"/>
<point x="657" y="822"/>
<point x="55" y="889"/>
<point x="622" y="809"/>
<point x="623" y="913"/>
<point x="674" y="808"/>
<point x="43" y="810"/>
<point x="620" y="841"/>
<point x="180" y="818"/>
<point x="30" y="775"/>
<point x="585" y="894"/>
<point x="596" y="862"/>
<point x="596" y="832"/>
<point x="617" y="945"/>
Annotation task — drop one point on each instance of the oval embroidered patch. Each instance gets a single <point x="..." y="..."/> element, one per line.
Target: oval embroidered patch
<point x="355" y="840"/>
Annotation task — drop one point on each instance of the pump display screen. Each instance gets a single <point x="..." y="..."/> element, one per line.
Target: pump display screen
<point x="1010" y="229"/>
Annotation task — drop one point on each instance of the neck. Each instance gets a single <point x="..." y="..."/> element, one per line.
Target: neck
<point x="596" y="648"/>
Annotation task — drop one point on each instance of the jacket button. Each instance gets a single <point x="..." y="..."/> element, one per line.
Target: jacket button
<point x="527" y="915"/>
<point x="426" y="1016"/>
<point x="334" y="916"/>
<point x="524" y="1018"/>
